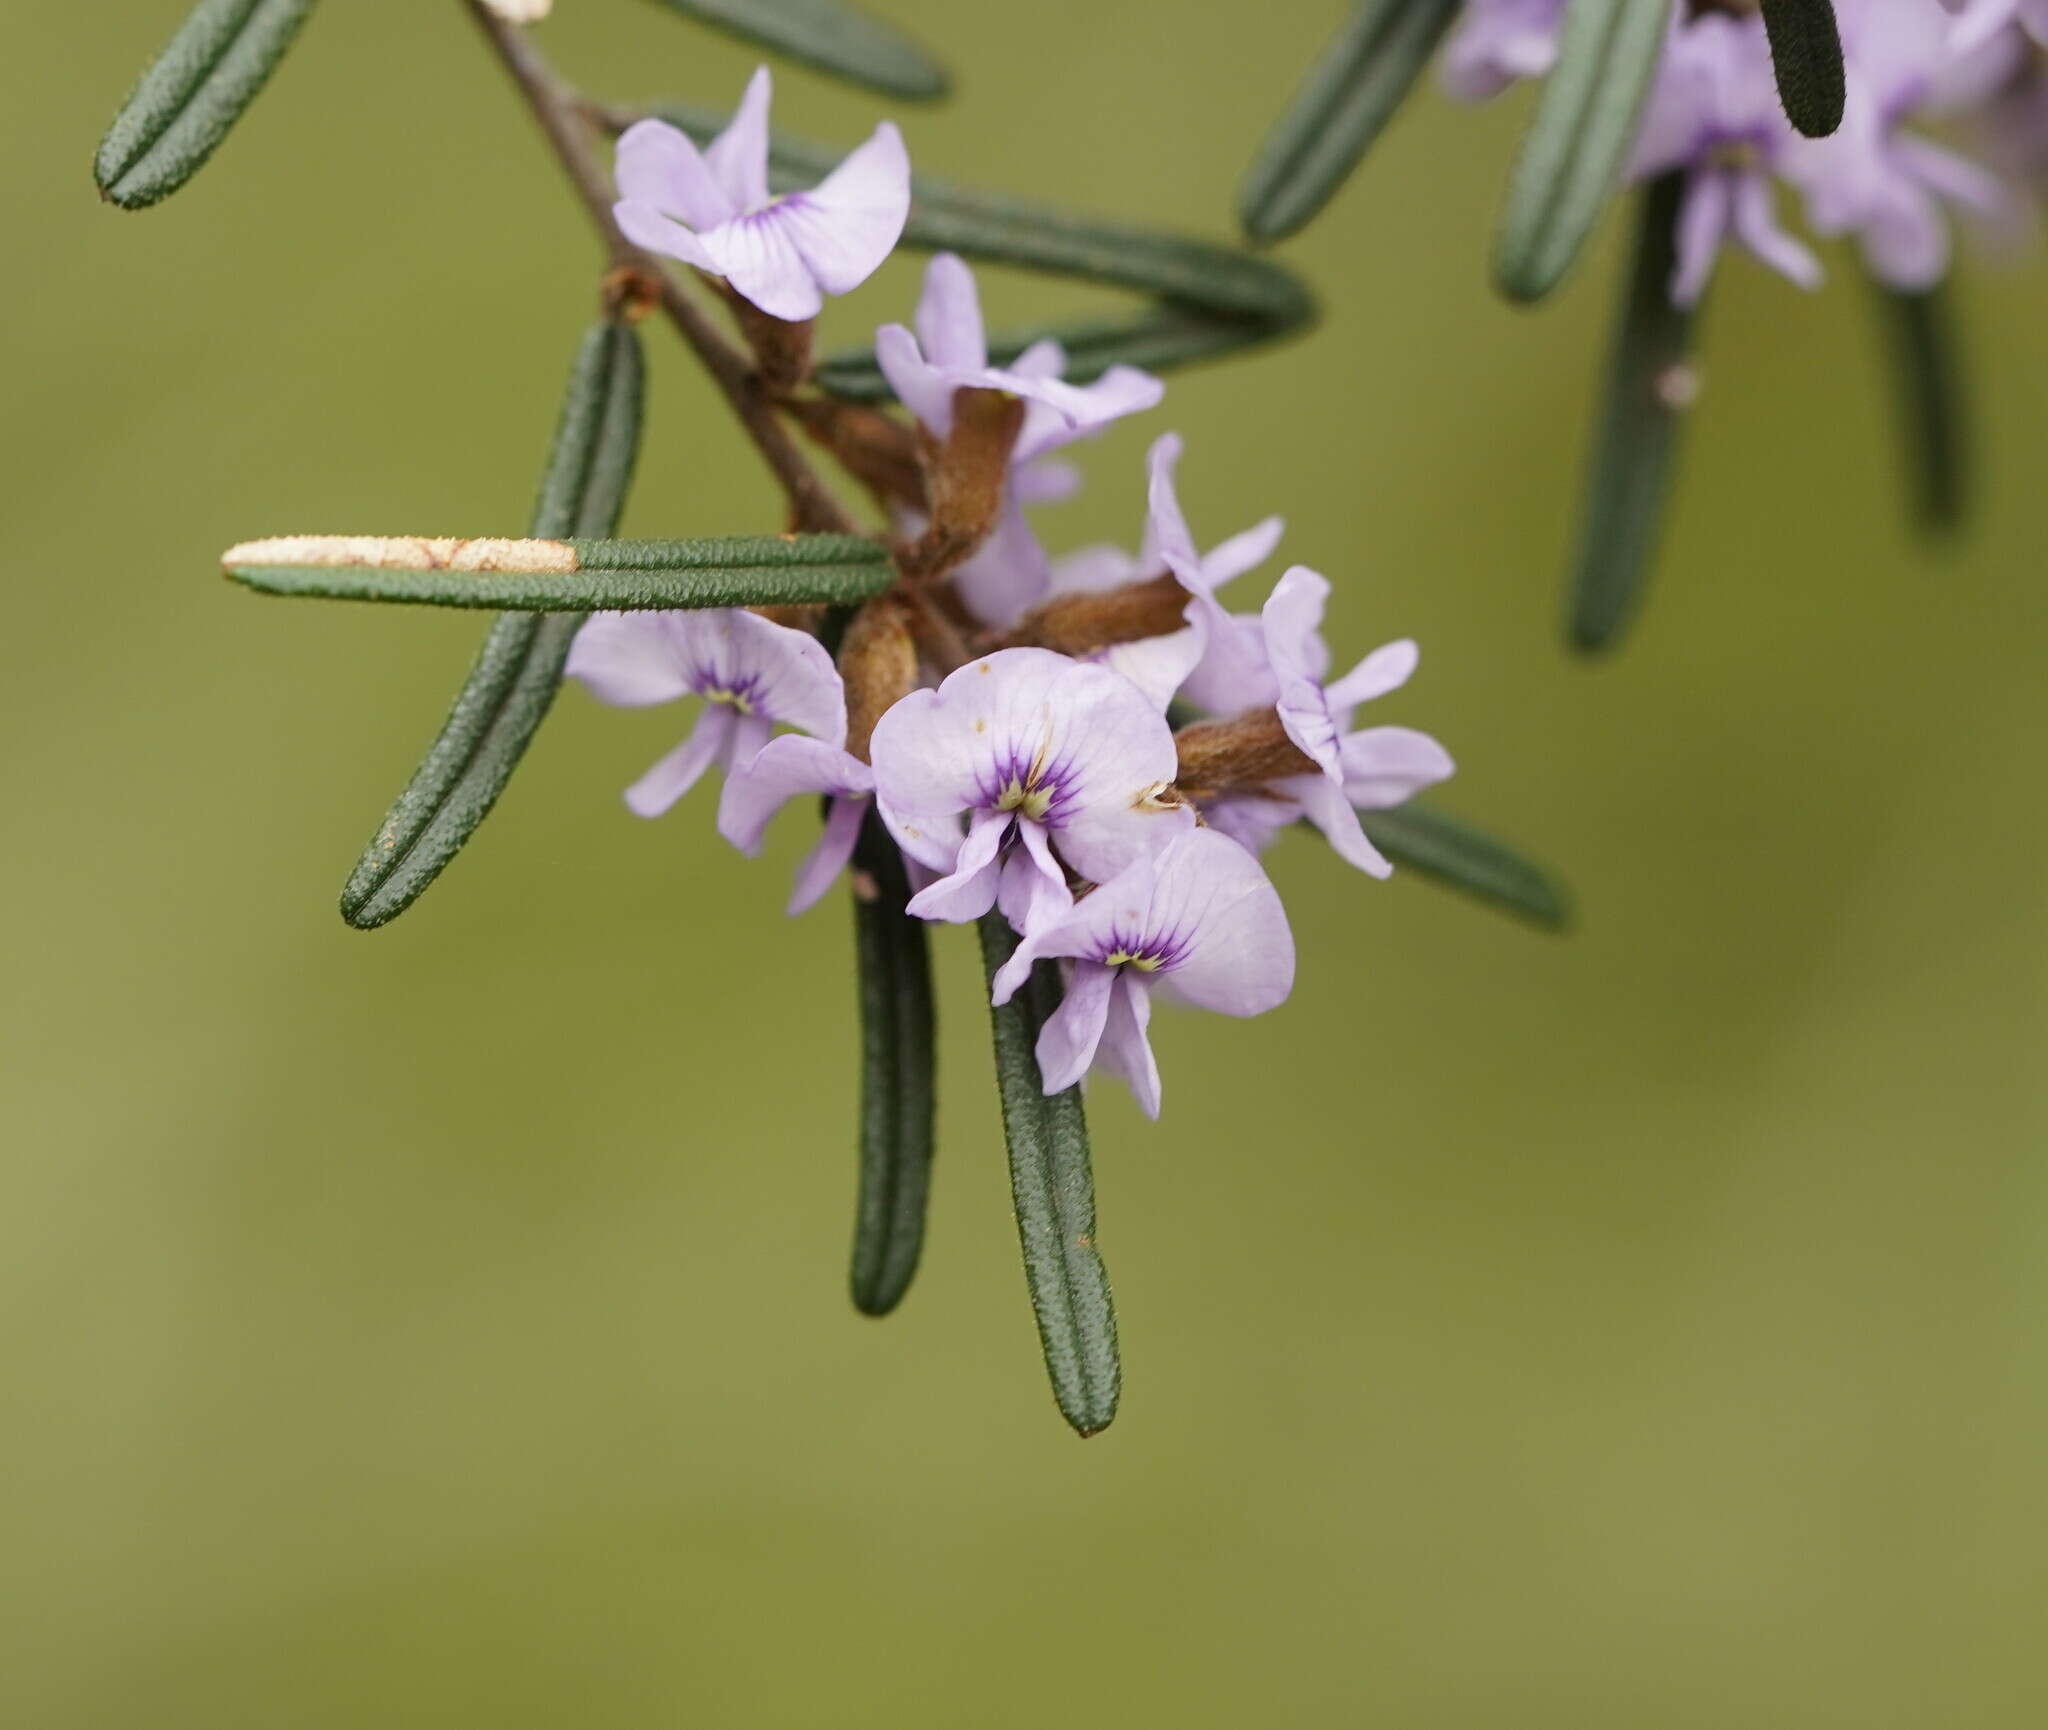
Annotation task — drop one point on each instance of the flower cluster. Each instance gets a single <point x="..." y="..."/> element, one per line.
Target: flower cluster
<point x="1003" y="714"/>
<point x="1713" y="115"/>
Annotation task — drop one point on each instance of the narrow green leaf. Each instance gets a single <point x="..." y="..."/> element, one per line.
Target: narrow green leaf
<point x="1649" y="384"/>
<point x="1933" y="423"/>
<point x="185" y="103"/>
<point x="830" y="38"/>
<point x="1212" y="301"/>
<point x="1350" y="94"/>
<point x="1806" y="57"/>
<point x="1054" y="1190"/>
<point x="1572" y="158"/>
<point x="512" y="684"/>
<point x="896" y="1099"/>
<point x="551" y="576"/>
<point x="1423" y="839"/>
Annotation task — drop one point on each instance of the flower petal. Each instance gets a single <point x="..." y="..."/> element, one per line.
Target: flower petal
<point x="1239" y="958"/>
<point x="1067" y="1042"/>
<point x="783" y="675"/>
<point x="738" y="156"/>
<point x="1385" y="766"/>
<point x="921" y="387"/>
<point x="949" y="327"/>
<point x="1244" y="551"/>
<point x="969" y="890"/>
<point x="656" y="165"/>
<point x="823" y="863"/>
<point x="1159" y="666"/>
<point x="1702" y="223"/>
<point x="679" y="771"/>
<point x="1292" y="619"/>
<point x="852" y="219"/>
<point x="758" y="255"/>
<point x="630" y="660"/>
<point x="1125" y="1050"/>
<point x="784" y="769"/>
<point x="1387" y="668"/>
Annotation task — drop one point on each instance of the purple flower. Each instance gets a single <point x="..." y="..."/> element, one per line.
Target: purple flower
<point x="1361" y="770"/>
<point x="1713" y="111"/>
<point x="753" y="674"/>
<point x="1037" y="752"/>
<point x="949" y="352"/>
<point x="788" y="768"/>
<point x="712" y="209"/>
<point x="1198" y="913"/>
<point x="1498" y="42"/>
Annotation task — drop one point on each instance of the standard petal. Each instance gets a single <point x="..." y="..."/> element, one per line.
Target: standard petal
<point x="921" y="387"/>
<point x="1166" y="529"/>
<point x="823" y="863"/>
<point x="1067" y="1042"/>
<point x="1159" y="666"/>
<point x="758" y="255"/>
<point x="738" y="156"/>
<point x="656" y="165"/>
<point x="1294" y="648"/>
<point x="1385" y="766"/>
<point x="1009" y="573"/>
<point x="630" y="660"/>
<point x="1906" y="239"/>
<point x="1126" y="1051"/>
<point x="679" y="771"/>
<point x="1084" y="409"/>
<point x="949" y="326"/>
<point x="852" y="219"/>
<point x="777" y="673"/>
<point x="1214" y="906"/>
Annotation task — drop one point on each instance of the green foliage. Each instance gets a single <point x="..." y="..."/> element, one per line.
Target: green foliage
<point x="1640" y="415"/>
<point x="512" y="684"/>
<point x="1054" y="1190"/>
<point x="1927" y="378"/>
<point x="893" y="952"/>
<point x="1572" y="158"/>
<point x="830" y="38"/>
<point x="1806" y="57"/>
<point x="191" y="95"/>
<point x="1421" y="838"/>
<point x="1350" y="94"/>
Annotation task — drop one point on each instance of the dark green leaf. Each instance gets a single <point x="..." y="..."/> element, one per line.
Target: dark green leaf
<point x="1649" y="384"/>
<point x="186" y="102"/>
<point x="1351" y="92"/>
<point x="1806" y="57"/>
<point x="513" y="681"/>
<point x="551" y="576"/>
<point x="896" y="1098"/>
<point x="1572" y="158"/>
<point x="1054" y="1190"/>
<point x="1213" y="301"/>
<point x="1928" y="379"/>
<point x="828" y="37"/>
<point x="1422" y="839"/>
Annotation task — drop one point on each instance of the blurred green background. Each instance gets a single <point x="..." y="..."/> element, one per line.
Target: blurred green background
<point x="447" y="1326"/>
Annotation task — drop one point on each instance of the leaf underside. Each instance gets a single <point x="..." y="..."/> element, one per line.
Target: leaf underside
<point x="828" y="37"/>
<point x="1054" y="1191"/>
<point x="191" y="96"/>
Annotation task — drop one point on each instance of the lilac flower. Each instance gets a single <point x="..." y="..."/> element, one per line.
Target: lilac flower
<point x="1886" y="185"/>
<point x="712" y="209"/>
<point x="788" y="768"/>
<point x="1368" y="769"/>
<point x="1198" y="913"/>
<point x="1981" y="20"/>
<point x="1714" y="112"/>
<point x="1036" y="752"/>
<point x="949" y="352"/>
<point x="1499" y="42"/>
<point x="752" y="673"/>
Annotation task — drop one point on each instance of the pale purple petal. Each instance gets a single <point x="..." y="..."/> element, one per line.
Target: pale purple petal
<point x="1086" y="408"/>
<point x="1067" y="1042"/>
<point x="785" y="769"/>
<point x="648" y="229"/>
<point x="679" y="771"/>
<point x="1906" y="238"/>
<point x="1090" y="570"/>
<point x="1125" y="1051"/>
<point x="1954" y="178"/>
<point x="1703" y="216"/>
<point x="1244" y="551"/>
<point x="1387" y="668"/>
<point x="1045" y="358"/>
<point x="1235" y="674"/>
<point x="1756" y="223"/>
<point x="921" y="387"/>
<point x="630" y="660"/>
<point x="949" y="327"/>
<point x="823" y="863"/>
<point x="1033" y="892"/>
<point x="1159" y="666"/>
<point x="1241" y="959"/>
<point x="1166" y="528"/>
<point x="769" y="670"/>
<point x="1325" y="804"/>
<point x="1292" y="617"/>
<point x="1252" y="819"/>
<point x="1386" y="766"/>
<point x="845" y="227"/>
<point x="970" y="890"/>
<point x="738" y="156"/>
<point x="759" y="256"/>
<point x="1009" y="573"/>
<point x="659" y="168"/>
<point x="1047" y="481"/>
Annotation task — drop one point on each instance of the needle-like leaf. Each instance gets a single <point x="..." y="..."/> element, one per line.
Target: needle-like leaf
<point x="1806" y="57"/>
<point x="553" y="576"/>
<point x="1650" y="383"/>
<point x="1928" y="382"/>
<point x="828" y="37"/>
<point x="1350" y="94"/>
<point x="1572" y="158"/>
<point x="1423" y="839"/>
<point x="896" y="1099"/>
<point x="1054" y="1189"/>
<point x="193" y="93"/>
<point x="512" y="684"/>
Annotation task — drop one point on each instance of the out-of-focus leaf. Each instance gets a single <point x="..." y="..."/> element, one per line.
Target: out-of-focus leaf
<point x="896" y="1097"/>
<point x="1933" y="420"/>
<point x="1212" y="301"/>
<point x="1054" y="1189"/>
<point x="1350" y="94"/>
<point x="1572" y="158"/>
<point x="1423" y="839"/>
<point x="513" y="681"/>
<point x="828" y="37"/>
<point x="1650" y="383"/>
<point x="554" y="576"/>
<point x="1806" y="58"/>
<point x="195" y="91"/>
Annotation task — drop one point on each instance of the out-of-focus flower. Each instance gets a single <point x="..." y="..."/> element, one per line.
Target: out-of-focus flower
<point x="1498" y="42"/>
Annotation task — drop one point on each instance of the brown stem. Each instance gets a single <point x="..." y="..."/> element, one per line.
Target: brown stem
<point x="560" y="112"/>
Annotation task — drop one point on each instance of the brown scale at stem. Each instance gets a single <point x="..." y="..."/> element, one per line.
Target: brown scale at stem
<point x="1241" y="755"/>
<point x="781" y="349"/>
<point x="564" y="118"/>
<point x="1082" y="624"/>
<point x="964" y="475"/>
<point x="878" y="661"/>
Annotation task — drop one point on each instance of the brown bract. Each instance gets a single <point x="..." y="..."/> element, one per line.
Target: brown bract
<point x="878" y="661"/>
<point x="1082" y="624"/>
<point x="1241" y="755"/>
<point x="964" y="475"/>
